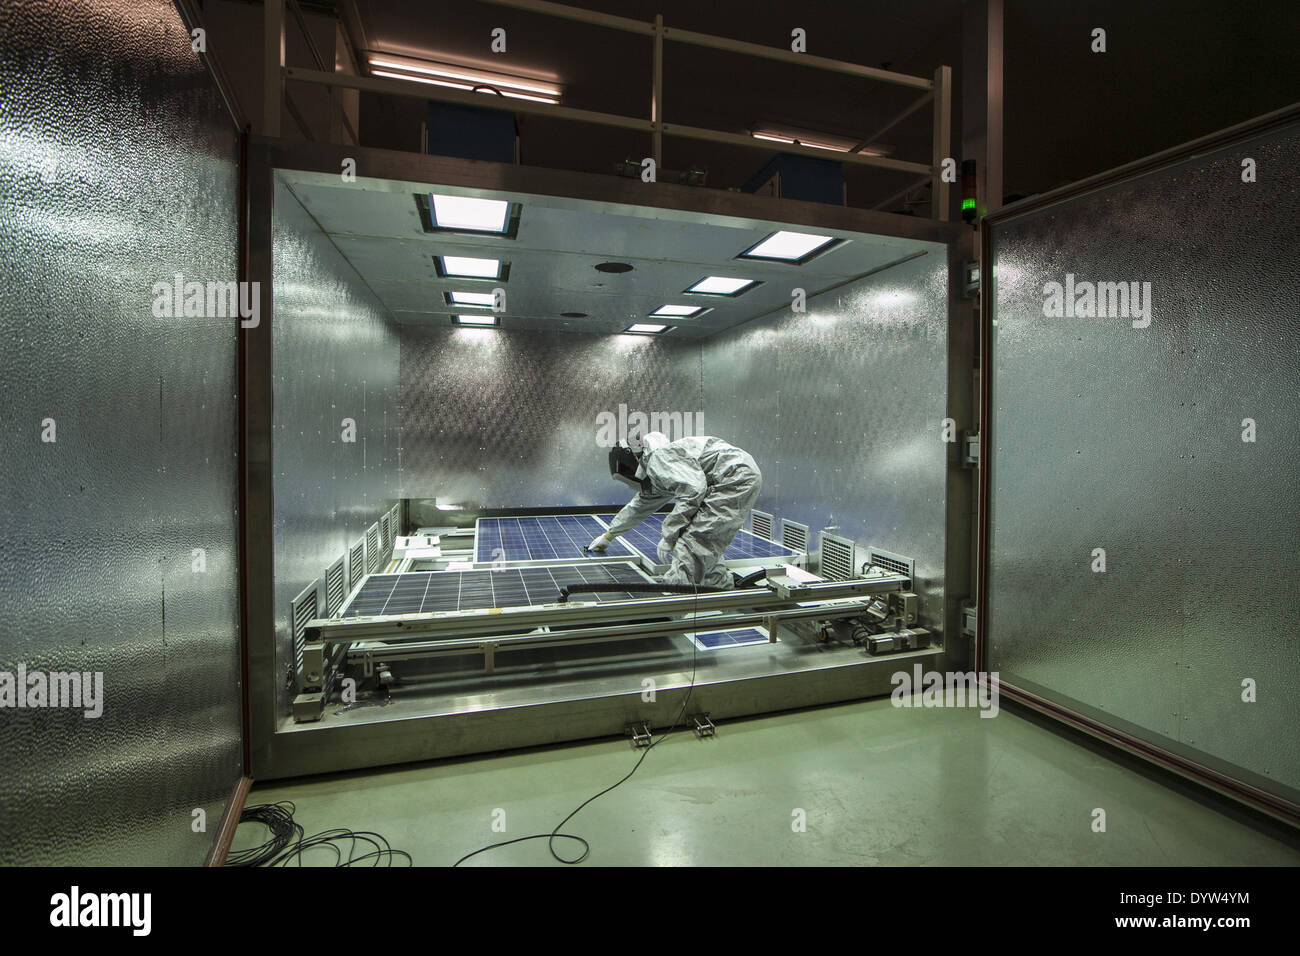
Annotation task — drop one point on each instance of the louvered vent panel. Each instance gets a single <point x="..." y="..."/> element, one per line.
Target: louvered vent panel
<point x="836" y="558"/>
<point x="356" y="563"/>
<point x="794" y="535"/>
<point x="891" y="561"/>
<point x="335" y="587"/>
<point x="301" y="611"/>
<point x="761" y="523"/>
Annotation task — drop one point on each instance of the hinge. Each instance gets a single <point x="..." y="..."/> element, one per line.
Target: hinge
<point x="970" y="449"/>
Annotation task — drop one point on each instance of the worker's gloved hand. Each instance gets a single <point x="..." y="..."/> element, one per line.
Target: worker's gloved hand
<point x="665" y="553"/>
<point x="599" y="543"/>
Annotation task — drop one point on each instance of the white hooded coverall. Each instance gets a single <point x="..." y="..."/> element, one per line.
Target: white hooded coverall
<point x="715" y="485"/>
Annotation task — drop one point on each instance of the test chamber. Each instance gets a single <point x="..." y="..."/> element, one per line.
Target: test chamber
<point x="842" y="404"/>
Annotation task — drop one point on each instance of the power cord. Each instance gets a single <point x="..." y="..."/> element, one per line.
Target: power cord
<point x="288" y="843"/>
<point x="551" y="837"/>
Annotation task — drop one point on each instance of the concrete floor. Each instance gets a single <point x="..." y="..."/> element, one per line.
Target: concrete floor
<point x="878" y="786"/>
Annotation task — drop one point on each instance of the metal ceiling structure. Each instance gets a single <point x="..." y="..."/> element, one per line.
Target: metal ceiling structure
<point x="553" y="257"/>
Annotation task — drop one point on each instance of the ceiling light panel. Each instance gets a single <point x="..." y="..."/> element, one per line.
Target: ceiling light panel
<point x="722" y="285"/>
<point x="677" y="311"/>
<point x="470" y="214"/>
<point x="477" y="299"/>
<point x="788" y="247"/>
<point x="467" y="267"/>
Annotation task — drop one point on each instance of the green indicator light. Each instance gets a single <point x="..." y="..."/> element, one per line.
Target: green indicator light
<point x="968" y="204"/>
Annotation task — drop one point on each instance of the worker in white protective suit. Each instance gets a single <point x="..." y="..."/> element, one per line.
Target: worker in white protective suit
<point x="715" y="485"/>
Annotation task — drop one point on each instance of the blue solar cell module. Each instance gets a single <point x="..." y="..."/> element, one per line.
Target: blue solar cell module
<point x="420" y="592"/>
<point x="539" y="538"/>
<point x="645" y="538"/>
<point x="713" y="640"/>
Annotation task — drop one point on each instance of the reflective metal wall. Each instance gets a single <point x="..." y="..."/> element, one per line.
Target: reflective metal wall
<point x="335" y="361"/>
<point x="842" y="407"/>
<point x="1130" y="440"/>
<point x="512" y="418"/>
<point x="118" y="538"/>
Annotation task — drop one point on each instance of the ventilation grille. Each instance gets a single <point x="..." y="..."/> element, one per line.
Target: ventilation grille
<point x="836" y="558"/>
<point x="794" y="535"/>
<point x="335" y="587"/>
<point x="356" y="563"/>
<point x="372" y="547"/>
<point x="302" y="610"/>
<point x="385" y="532"/>
<point x="761" y="523"/>
<point x="891" y="562"/>
<point x="394" y="522"/>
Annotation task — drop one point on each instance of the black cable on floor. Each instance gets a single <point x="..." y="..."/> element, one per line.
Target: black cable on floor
<point x="555" y="834"/>
<point x="288" y="843"/>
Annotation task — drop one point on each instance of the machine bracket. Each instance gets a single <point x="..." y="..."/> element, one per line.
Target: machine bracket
<point x="970" y="449"/>
<point x="640" y="734"/>
<point x="703" y="726"/>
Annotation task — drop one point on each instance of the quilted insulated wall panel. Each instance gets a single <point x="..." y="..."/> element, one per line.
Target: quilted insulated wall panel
<point x="526" y="418"/>
<point x="842" y="407"/>
<point x="1162" y="441"/>
<point x="117" y="457"/>
<point x="335" y="413"/>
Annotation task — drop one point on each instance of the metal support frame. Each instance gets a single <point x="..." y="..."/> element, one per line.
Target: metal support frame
<point x="942" y="141"/>
<point x="410" y="627"/>
<point x="192" y="16"/>
<point x="490" y="646"/>
<point x="272" y="66"/>
<point x="657" y="95"/>
<point x="331" y="641"/>
<point x="335" y="100"/>
<point x="938" y="91"/>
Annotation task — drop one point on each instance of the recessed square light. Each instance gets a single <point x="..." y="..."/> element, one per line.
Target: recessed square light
<point x="475" y="320"/>
<point x="722" y="285"/>
<point x="644" y="328"/>
<point x="467" y="267"/>
<point x="783" y="246"/>
<point x="677" y="312"/>
<point x="475" y="299"/>
<point x="467" y="213"/>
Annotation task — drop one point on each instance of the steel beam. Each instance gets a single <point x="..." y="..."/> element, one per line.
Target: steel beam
<point x="272" y="65"/>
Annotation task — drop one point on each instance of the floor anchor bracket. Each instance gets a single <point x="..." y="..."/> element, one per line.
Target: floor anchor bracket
<point x="703" y="726"/>
<point x="640" y="734"/>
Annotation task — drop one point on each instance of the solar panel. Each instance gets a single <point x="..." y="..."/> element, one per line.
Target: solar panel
<point x="715" y="640"/>
<point x="422" y="592"/>
<point x="645" y="538"/>
<point x="543" y="538"/>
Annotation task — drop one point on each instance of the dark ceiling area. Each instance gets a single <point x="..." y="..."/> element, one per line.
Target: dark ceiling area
<point x="1173" y="71"/>
<point x="610" y="71"/>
